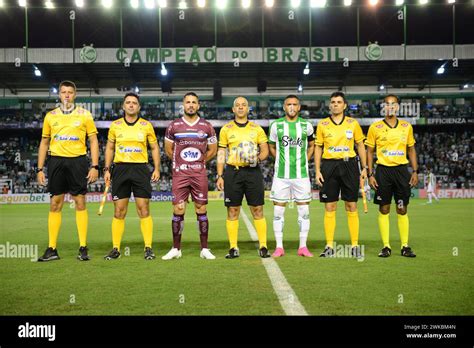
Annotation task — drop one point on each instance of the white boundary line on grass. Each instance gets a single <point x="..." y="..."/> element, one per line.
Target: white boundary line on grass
<point x="287" y="297"/>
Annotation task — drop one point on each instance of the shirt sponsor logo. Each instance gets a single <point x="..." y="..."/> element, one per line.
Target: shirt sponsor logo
<point x="337" y="149"/>
<point x="393" y="153"/>
<point x="129" y="149"/>
<point x="66" y="137"/>
<point x="190" y="154"/>
<point x="289" y="141"/>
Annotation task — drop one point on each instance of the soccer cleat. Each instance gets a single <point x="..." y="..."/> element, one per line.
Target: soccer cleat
<point x="356" y="252"/>
<point x="385" y="252"/>
<point x="149" y="255"/>
<point x="304" y="252"/>
<point x="263" y="252"/>
<point x="279" y="252"/>
<point x="83" y="256"/>
<point x="49" y="255"/>
<point x="233" y="253"/>
<point x="174" y="253"/>
<point x="114" y="254"/>
<point x="328" y="252"/>
<point x="407" y="252"/>
<point x="206" y="254"/>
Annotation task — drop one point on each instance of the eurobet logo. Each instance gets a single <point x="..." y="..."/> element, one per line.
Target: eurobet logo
<point x="24" y="198"/>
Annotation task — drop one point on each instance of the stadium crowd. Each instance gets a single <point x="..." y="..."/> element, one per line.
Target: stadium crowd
<point x="449" y="154"/>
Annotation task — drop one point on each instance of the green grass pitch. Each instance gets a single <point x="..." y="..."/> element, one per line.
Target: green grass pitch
<point x="439" y="281"/>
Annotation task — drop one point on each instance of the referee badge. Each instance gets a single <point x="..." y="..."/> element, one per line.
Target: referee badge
<point x="140" y="136"/>
<point x="349" y="134"/>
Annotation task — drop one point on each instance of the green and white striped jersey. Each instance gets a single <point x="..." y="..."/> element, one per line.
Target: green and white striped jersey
<point x="291" y="140"/>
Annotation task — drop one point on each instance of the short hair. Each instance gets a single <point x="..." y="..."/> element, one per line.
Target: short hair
<point x="391" y="96"/>
<point x="291" y="96"/>
<point x="191" y="94"/>
<point x="240" y="96"/>
<point x="338" y="94"/>
<point x="131" y="94"/>
<point x="67" y="83"/>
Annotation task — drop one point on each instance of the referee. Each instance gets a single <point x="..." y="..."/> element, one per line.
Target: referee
<point x="393" y="139"/>
<point x="64" y="135"/>
<point x="127" y="147"/>
<point x="337" y="172"/>
<point x="246" y="145"/>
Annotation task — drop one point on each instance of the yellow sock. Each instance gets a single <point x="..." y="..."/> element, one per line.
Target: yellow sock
<point x="146" y="225"/>
<point x="329" y="227"/>
<point x="403" y="227"/>
<point x="118" y="226"/>
<point x="353" y="222"/>
<point x="82" y="220"/>
<point x="261" y="227"/>
<point x="232" y="232"/>
<point x="54" y="224"/>
<point x="384" y="227"/>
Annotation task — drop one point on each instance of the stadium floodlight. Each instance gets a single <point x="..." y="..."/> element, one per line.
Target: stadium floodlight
<point x="107" y="3"/>
<point x="306" y="69"/>
<point x="300" y="87"/>
<point x="373" y="2"/>
<point x="136" y="90"/>
<point x="48" y="4"/>
<point x="399" y="2"/>
<point x="318" y="3"/>
<point x="246" y="3"/>
<point x="37" y="71"/>
<point x="201" y="3"/>
<point x="381" y="87"/>
<point x="423" y="2"/>
<point x="295" y="3"/>
<point x="22" y="3"/>
<point x="162" y="3"/>
<point x="347" y="2"/>
<point x="221" y="4"/>
<point x="182" y="5"/>
<point x="164" y="72"/>
<point x="80" y="3"/>
<point x="134" y="3"/>
<point x="150" y="4"/>
<point x="269" y="3"/>
<point x="451" y="1"/>
<point x="54" y="90"/>
<point x="2" y="3"/>
<point x="441" y="69"/>
<point x="465" y="86"/>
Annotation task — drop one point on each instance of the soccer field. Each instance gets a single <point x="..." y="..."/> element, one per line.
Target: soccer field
<point x="439" y="281"/>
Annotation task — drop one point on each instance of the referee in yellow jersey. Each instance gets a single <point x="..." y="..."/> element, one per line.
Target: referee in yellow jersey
<point x="246" y="144"/>
<point x="393" y="139"/>
<point x="127" y="147"/>
<point x="337" y="171"/>
<point x="64" y="134"/>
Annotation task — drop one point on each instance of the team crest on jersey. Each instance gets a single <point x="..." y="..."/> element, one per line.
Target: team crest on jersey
<point x="201" y="134"/>
<point x="349" y="134"/>
<point x="253" y="135"/>
<point x="140" y="136"/>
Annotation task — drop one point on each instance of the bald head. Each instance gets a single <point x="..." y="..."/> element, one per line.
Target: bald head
<point x="241" y="108"/>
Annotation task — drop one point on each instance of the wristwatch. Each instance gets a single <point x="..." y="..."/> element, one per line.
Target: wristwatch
<point x="95" y="167"/>
<point x="370" y="174"/>
<point x="219" y="176"/>
<point x="415" y="171"/>
<point x="39" y="170"/>
<point x="106" y="169"/>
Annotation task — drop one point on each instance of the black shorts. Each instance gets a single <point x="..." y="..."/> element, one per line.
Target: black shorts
<point x="131" y="177"/>
<point x="246" y="181"/>
<point x="67" y="175"/>
<point x="339" y="177"/>
<point x="392" y="181"/>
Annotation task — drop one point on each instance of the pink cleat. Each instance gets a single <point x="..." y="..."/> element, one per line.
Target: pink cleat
<point x="304" y="252"/>
<point x="279" y="252"/>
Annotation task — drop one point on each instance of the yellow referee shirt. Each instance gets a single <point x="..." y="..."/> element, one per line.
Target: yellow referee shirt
<point x="131" y="140"/>
<point x="338" y="139"/>
<point x="68" y="131"/>
<point x="242" y="141"/>
<point x="391" y="142"/>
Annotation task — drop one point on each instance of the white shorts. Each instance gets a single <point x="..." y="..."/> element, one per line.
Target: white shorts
<point x="286" y="190"/>
<point x="429" y="189"/>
